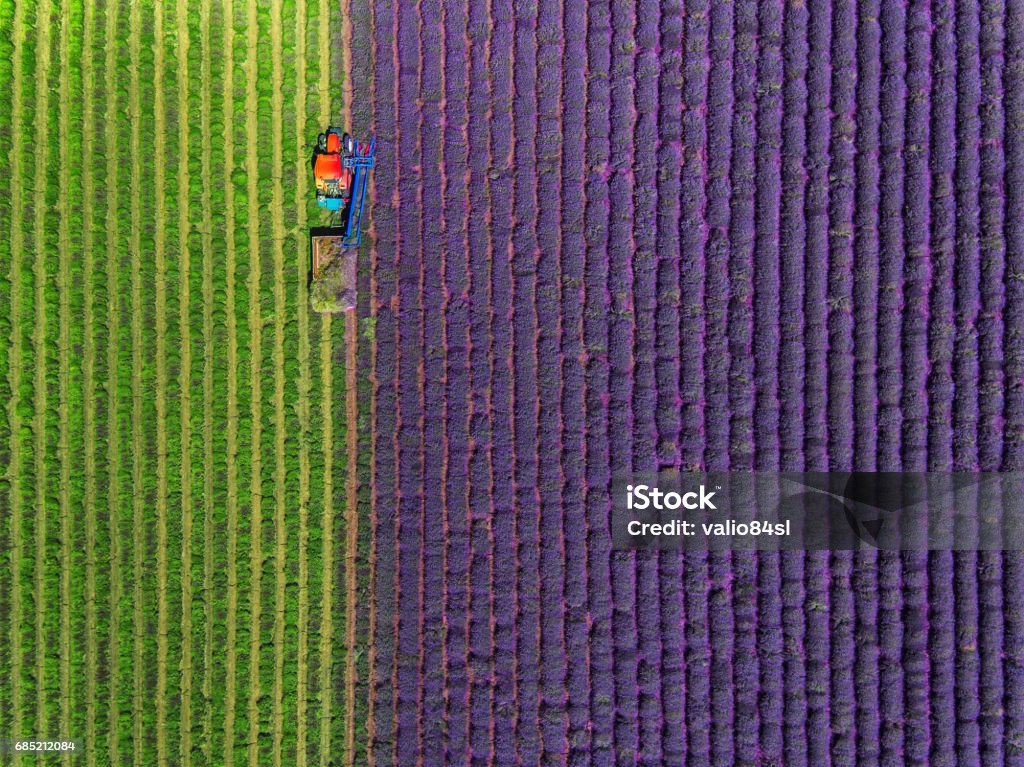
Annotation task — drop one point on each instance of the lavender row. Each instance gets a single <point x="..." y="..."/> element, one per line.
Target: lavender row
<point x="525" y="253"/>
<point x="718" y="245"/>
<point x="506" y="599"/>
<point x="384" y="476"/>
<point x="409" y="434"/>
<point x="991" y="400"/>
<point x="743" y="167"/>
<point x="433" y="663"/>
<point x="620" y="323"/>
<point x="866" y="241"/>
<point x="458" y="513"/>
<point x="650" y="707"/>
<point x="574" y="428"/>
<point x="553" y="694"/>
<point x="481" y="504"/>
<point x="892" y="104"/>
<point x="597" y="304"/>
<point x="668" y="421"/>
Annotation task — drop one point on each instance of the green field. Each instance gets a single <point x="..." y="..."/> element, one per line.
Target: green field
<point x="173" y="439"/>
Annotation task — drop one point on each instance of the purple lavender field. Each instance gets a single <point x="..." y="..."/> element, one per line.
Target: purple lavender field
<point x="699" y="235"/>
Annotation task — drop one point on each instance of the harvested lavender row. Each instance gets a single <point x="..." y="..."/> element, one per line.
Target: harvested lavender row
<point x="433" y="666"/>
<point x="525" y="252"/>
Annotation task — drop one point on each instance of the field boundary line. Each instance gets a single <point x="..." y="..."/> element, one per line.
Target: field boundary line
<point x="327" y="386"/>
<point x="184" y="331"/>
<point x="301" y="190"/>
<point x="255" y="321"/>
<point x="14" y="370"/>
<point x="160" y="247"/>
<point x="39" y="351"/>
<point x="280" y="474"/>
<point x="89" y="387"/>
<point x="113" y="346"/>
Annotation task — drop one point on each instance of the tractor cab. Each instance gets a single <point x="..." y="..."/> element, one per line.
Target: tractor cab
<point x="333" y="179"/>
<point x="340" y="167"/>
